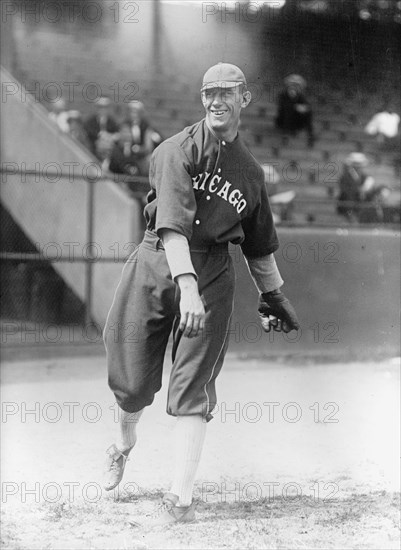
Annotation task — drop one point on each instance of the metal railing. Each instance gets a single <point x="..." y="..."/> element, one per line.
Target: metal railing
<point x="90" y="257"/>
<point x="138" y="188"/>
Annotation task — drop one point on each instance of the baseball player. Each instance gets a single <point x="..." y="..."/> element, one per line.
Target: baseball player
<point x="207" y="190"/>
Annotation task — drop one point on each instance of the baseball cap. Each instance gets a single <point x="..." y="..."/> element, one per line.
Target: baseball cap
<point x="223" y="75"/>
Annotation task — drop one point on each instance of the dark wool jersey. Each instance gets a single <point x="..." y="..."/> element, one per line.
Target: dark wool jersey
<point x="211" y="191"/>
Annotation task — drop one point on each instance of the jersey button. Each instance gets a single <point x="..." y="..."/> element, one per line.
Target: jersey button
<point x="197" y="222"/>
<point x="208" y="199"/>
<point x="219" y="170"/>
<point x="223" y="142"/>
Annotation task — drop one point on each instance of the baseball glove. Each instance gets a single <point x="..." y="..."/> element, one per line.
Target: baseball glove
<point x="275" y="311"/>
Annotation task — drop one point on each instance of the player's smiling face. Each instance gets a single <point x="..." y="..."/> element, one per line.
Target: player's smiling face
<point x="223" y="107"/>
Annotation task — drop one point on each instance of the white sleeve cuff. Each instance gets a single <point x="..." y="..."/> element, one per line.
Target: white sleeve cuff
<point x="265" y="273"/>
<point x="177" y="253"/>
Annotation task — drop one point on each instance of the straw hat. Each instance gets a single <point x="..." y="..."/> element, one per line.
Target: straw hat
<point x="357" y="159"/>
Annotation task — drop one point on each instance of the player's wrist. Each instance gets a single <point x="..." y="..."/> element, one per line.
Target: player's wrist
<point x="186" y="281"/>
<point x="274" y="292"/>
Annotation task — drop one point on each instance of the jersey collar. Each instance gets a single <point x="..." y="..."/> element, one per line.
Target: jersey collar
<point x="213" y="136"/>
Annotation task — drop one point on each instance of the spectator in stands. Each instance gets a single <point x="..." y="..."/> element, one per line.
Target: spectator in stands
<point x="145" y="138"/>
<point x="101" y="129"/>
<point x="123" y="159"/>
<point x="76" y="128"/>
<point x="359" y="192"/>
<point x="294" y="111"/>
<point x="384" y="125"/>
<point x="59" y="114"/>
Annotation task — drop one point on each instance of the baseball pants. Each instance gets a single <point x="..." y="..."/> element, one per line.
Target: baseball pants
<point x="145" y="311"/>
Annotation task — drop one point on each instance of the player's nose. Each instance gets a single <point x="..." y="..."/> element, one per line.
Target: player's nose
<point x="217" y="98"/>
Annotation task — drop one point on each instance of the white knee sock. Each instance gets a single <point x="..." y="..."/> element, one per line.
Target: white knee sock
<point x="127" y="429"/>
<point x="189" y="437"/>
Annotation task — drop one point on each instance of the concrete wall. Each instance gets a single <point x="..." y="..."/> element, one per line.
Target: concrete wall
<point x="52" y="211"/>
<point x="345" y="285"/>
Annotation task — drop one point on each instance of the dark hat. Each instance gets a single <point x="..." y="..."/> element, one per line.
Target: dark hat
<point x="295" y="80"/>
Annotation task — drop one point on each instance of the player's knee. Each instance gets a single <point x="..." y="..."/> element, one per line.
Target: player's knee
<point x="134" y="401"/>
<point x="133" y="396"/>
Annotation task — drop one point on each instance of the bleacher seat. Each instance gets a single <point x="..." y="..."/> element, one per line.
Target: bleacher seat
<point x="340" y="113"/>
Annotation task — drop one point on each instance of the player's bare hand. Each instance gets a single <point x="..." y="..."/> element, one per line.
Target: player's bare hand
<point x="192" y="311"/>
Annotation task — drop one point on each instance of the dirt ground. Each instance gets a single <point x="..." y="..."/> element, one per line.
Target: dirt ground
<point x="297" y="456"/>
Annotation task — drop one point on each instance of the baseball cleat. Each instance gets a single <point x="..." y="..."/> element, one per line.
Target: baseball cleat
<point x="167" y="513"/>
<point x="114" y="470"/>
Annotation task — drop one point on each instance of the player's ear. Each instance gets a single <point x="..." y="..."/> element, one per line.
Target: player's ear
<point x="246" y="99"/>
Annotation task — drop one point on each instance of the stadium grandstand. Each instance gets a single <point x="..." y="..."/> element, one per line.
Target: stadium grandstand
<point x="53" y="190"/>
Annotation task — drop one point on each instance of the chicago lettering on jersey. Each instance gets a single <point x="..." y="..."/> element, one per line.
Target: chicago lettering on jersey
<point x="234" y="196"/>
